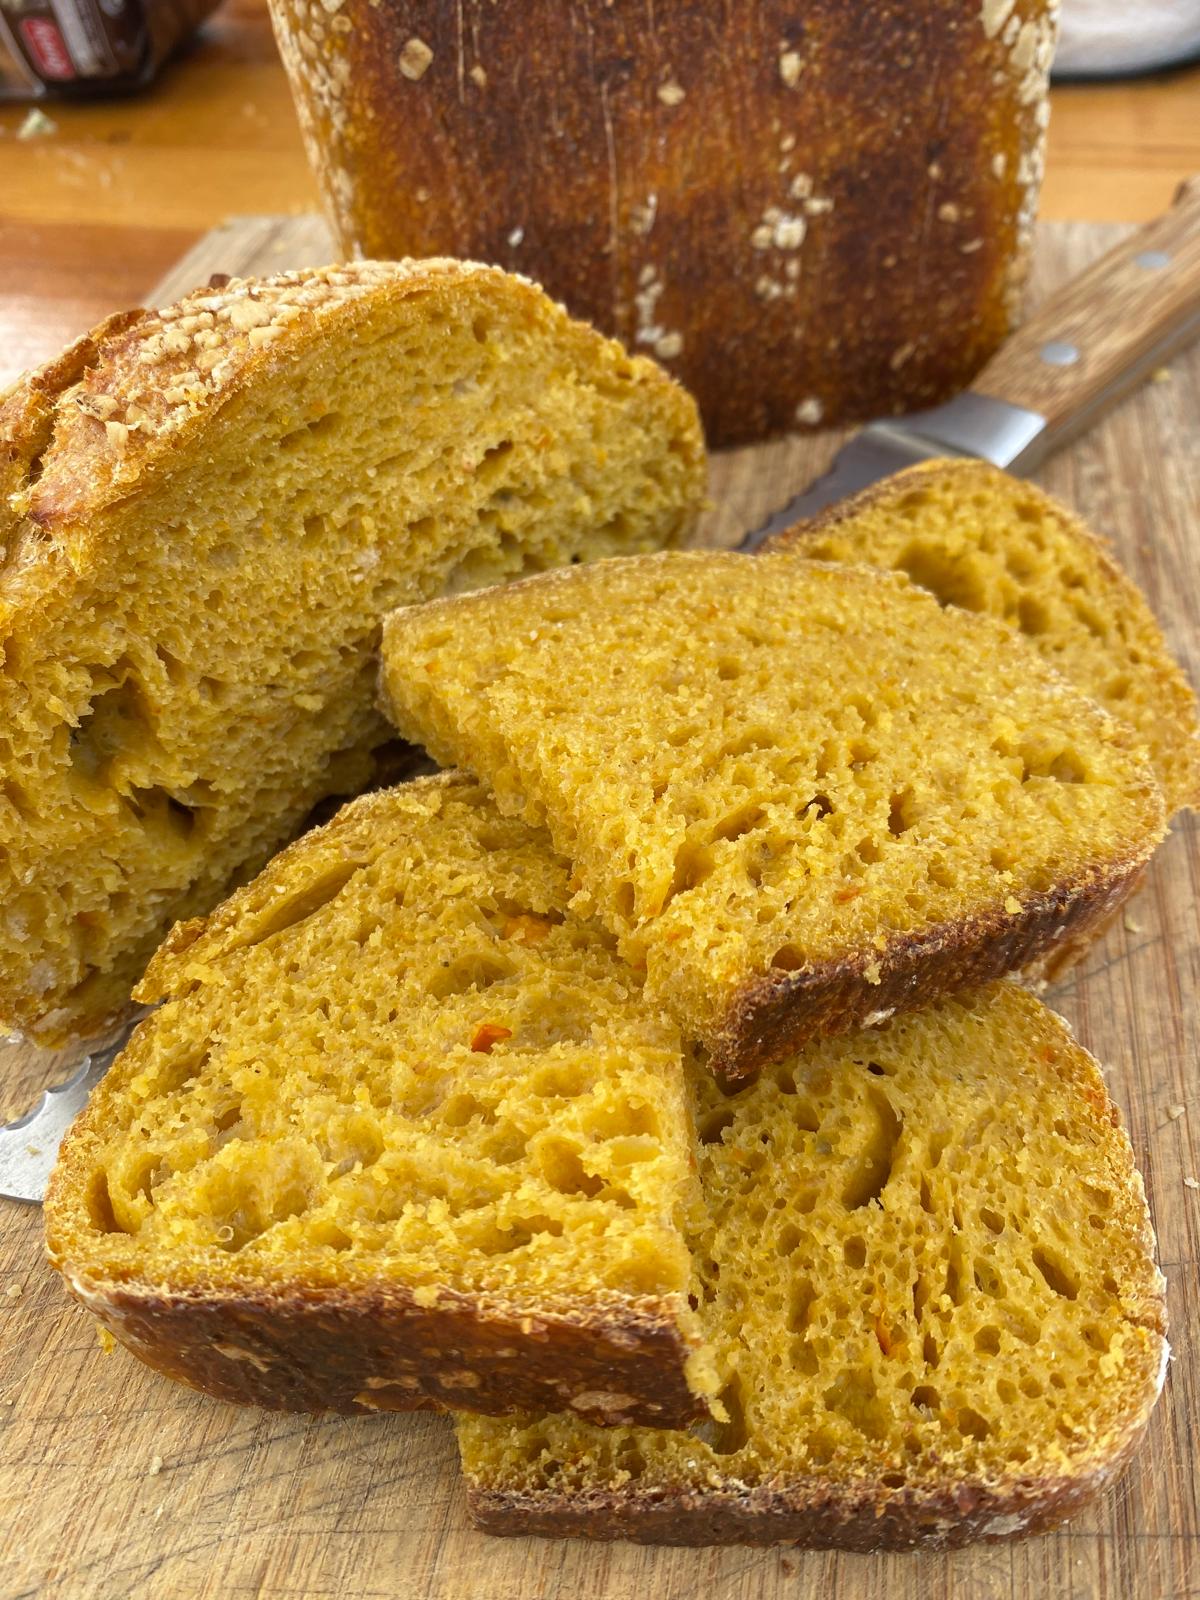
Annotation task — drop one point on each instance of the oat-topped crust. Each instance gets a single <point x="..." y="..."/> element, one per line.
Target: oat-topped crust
<point x="130" y="394"/>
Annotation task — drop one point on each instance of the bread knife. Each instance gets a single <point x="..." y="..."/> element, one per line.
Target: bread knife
<point x="1082" y="351"/>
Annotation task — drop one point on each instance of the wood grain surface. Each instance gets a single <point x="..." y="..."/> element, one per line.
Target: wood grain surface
<point x="116" y="1483"/>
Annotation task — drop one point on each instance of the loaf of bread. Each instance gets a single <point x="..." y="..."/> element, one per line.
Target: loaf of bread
<point x="933" y="1298"/>
<point x="811" y="213"/>
<point x="204" y="513"/>
<point x="978" y="538"/>
<point x="401" y="1135"/>
<point x="803" y="795"/>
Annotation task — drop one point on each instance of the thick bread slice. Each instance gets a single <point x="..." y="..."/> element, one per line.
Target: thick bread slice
<point x="804" y="795"/>
<point x="978" y="538"/>
<point x="402" y="1135"/>
<point x="206" y="510"/>
<point x="932" y="1292"/>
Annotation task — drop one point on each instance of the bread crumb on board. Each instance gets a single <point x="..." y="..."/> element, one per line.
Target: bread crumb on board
<point x="1175" y="1112"/>
<point x="156" y="1466"/>
<point x="14" y="1291"/>
<point x="1191" y="1183"/>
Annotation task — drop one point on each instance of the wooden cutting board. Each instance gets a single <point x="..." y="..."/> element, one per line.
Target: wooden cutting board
<point x="116" y="1483"/>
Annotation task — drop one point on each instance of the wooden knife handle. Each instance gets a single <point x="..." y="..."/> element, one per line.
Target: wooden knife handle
<point x="1089" y="345"/>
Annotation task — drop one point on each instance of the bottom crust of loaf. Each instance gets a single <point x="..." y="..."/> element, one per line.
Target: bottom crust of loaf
<point x="291" y="1348"/>
<point x="818" y="1515"/>
<point x="777" y="1015"/>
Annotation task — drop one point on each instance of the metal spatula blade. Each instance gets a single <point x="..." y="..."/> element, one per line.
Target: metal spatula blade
<point x="29" y="1146"/>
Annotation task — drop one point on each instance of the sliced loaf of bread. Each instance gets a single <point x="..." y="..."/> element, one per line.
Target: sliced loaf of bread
<point x="978" y="538"/>
<point x="933" y="1300"/>
<point x="401" y="1135"/>
<point x="803" y="795"/>
<point x="204" y="513"/>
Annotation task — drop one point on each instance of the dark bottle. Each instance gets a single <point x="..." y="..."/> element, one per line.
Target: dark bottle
<point x="76" y="49"/>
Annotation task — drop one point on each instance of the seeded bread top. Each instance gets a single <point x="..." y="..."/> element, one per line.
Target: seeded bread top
<point x="80" y="431"/>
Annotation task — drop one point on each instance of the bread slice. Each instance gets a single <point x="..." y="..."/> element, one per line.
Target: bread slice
<point x="206" y="510"/>
<point x="401" y="1135"/>
<point x="978" y="538"/>
<point x="932" y="1294"/>
<point x="803" y="795"/>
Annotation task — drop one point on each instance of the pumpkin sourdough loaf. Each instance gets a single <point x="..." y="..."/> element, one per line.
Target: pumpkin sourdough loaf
<point x="400" y="1135"/>
<point x="978" y="538"/>
<point x="932" y="1296"/>
<point x="205" y="512"/>
<point x="803" y="795"/>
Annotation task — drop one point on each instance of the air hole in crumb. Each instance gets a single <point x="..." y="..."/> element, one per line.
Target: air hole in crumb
<point x="1057" y="1273"/>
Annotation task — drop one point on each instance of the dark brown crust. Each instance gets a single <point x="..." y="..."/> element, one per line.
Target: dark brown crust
<point x="303" y="1348"/>
<point x="592" y="144"/>
<point x="775" y="1015"/>
<point x="817" y="1515"/>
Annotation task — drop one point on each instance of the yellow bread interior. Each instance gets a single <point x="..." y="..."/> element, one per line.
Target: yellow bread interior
<point x="393" y="1060"/>
<point x="930" y="1274"/>
<point x="764" y="766"/>
<point x="978" y="538"/>
<point x="206" y="512"/>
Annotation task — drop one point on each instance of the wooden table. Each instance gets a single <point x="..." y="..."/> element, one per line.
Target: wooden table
<point x="94" y="213"/>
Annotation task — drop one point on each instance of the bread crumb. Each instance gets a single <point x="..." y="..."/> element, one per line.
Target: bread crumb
<point x="1175" y="1112"/>
<point x="1131" y="924"/>
<point x="105" y="1340"/>
<point x="415" y="59"/>
<point x="37" y="125"/>
<point x="948" y="212"/>
<point x="156" y="1466"/>
<point x="810" y="411"/>
<point x="790" y="67"/>
<point x="1191" y="1183"/>
<point x="515" y="237"/>
<point x="478" y="76"/>
<point x="14" y="1291"/>
<point x="671" y="93"/>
